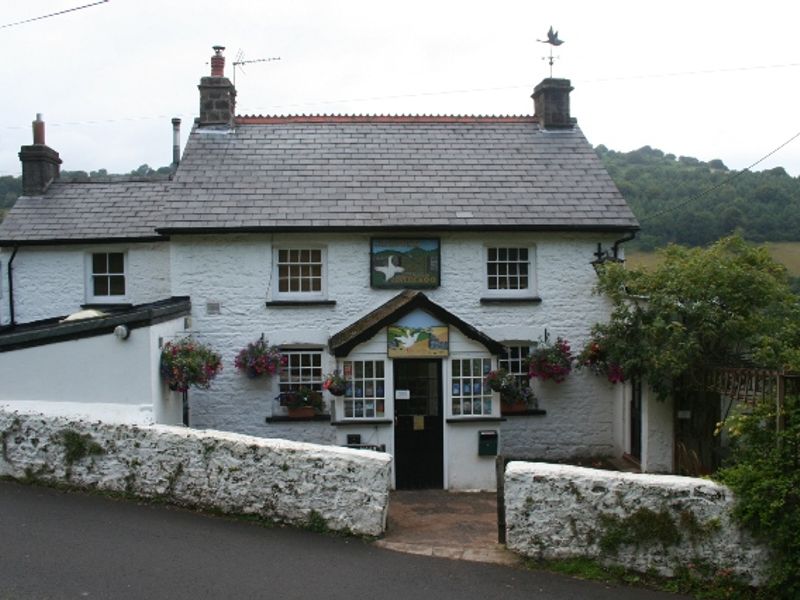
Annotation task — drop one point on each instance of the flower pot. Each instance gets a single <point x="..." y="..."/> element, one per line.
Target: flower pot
<point x="513" y="408"/>
<point x="301" y="412"/>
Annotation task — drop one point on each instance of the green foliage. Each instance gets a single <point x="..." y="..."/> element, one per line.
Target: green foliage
<point x="765" y="476"/>
<point x="78" y="446"/>
<point x="728" y="304"/>
<point x="709" y="200"/>
<point x="645" y="526"/>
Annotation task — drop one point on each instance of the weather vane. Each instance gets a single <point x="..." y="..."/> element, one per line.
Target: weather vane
<point x="552" y="39"/>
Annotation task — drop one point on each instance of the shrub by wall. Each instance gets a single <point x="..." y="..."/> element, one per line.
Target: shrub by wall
<point x="291" y="482"/>
<point x="660" y="523"/>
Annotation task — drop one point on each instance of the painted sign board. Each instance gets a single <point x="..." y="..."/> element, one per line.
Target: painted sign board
<point x="398" y="263"/>
<point x="417" y="342"/>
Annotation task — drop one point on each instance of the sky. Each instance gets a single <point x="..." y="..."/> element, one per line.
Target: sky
<point x="709" y="79"/>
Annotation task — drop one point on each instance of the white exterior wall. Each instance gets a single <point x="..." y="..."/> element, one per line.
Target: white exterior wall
<point x="98" y="377"/>
<point x="50" y="281"/>
<point x="235" y="272"/>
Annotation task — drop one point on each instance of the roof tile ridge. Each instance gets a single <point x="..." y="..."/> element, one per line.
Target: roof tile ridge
<point x="336" y="118"/>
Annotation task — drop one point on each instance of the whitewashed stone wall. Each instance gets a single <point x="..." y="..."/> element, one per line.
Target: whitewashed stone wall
<point x="558" y="512"/>
<point x="235" y="272"/>
<point x="50" y="281"/>
<point x="286" y="481"/>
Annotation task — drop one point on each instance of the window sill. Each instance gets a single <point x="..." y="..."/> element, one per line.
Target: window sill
<point x="486" y="419"/>
<point x="274" y="303"/>
<point x="346" y="422"/>
<point x="531" y="412"/>
<point x="288" y="419"/>
<point x="511" y="300"/>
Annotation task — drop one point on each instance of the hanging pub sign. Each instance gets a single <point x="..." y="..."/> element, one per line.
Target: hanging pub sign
<point x="404" y="263"/>
<point x="417" y="342"/>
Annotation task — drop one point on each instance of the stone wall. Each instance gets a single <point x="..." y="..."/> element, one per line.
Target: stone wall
<point x="641" y="522"/>
<point x="291" y="482"/>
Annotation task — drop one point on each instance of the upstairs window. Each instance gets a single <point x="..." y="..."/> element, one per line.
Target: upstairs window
<point x="106" y="280"/>
<point x="509" y="271"/>
<point x="300" y="272"/>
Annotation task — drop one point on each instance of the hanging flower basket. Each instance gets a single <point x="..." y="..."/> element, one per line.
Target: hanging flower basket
<point x="187" y="362"/>
<point x="551" y="361"/>
<point x="259" y="358"/>
<point x="595" y="357"/>
<point x="335" y="384"/>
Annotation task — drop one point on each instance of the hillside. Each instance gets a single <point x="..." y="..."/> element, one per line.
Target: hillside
<point x="686" y="201"/>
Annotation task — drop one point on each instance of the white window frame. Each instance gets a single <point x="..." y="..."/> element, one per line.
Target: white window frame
<point x="530" y="292"/>
<point x="91" y="297"/>
<point x="309" y="376"/>
<point x="322" y="294"/>
<point x="457" y="382"/>
<point x="353" y="383"/>
<point x="504" y="361"/>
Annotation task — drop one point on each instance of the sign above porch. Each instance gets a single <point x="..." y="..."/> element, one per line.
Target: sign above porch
<point x="411" y="263"/>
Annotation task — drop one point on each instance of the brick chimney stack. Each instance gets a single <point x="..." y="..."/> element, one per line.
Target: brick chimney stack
<point x="40" y="163"/>
<point x="551" y="104"/>
<point x="217" y="94"/>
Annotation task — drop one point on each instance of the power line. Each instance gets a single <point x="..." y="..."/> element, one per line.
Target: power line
<point x="720" y="184"/>
<point x="55" y="14"/>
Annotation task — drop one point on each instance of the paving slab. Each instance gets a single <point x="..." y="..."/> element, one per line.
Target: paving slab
<point x="457" y="525"/>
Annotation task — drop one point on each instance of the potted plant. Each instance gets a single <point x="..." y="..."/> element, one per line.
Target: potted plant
<point x="595" y="357"/>
<point x="515" y="397"/>
<point x="259" y="358"/>
<point x="302" y="402"/>
<point x="335" y="384"/>
<point x="551" y="361"/>
<point x="187" y="362"/>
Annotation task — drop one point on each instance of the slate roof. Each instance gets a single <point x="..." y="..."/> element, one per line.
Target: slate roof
<point x="74" y="212"/>
<point x="345" y="173"/>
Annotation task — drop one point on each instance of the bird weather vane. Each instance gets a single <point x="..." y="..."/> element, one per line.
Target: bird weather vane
<point x="552" y="39"/>
<point x="241" y="61"/>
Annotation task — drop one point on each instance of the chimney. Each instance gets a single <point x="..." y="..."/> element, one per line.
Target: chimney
<point x="217" y="94"/>
<point x="40" y="163"/>
<point x="551" y="104"/>
<point x="176" y="142"/>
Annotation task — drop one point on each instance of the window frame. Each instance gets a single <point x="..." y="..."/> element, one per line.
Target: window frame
<point x="285" y="385"/>
<point x="322" y="294"/>
<point x="504" y="361"/>
<point x="486" y="392"/>
<point x="530" y="292"/>
<point x="376" y="399"/>
<point x="89" y="278"/>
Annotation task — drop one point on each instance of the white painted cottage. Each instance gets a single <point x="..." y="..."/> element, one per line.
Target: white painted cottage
<point x="326" y="232"/>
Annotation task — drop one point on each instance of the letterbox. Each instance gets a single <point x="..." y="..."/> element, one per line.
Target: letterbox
<point x="487" y="443"/>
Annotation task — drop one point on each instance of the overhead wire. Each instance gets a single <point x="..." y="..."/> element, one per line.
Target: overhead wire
<point x="55" y="14"/>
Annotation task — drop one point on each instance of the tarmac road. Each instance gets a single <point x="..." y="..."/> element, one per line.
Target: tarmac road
<point x="57" y="545"/>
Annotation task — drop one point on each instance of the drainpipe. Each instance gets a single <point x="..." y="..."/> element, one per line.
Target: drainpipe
<point x="627" y="238"/>
<point x="11" y="286"/>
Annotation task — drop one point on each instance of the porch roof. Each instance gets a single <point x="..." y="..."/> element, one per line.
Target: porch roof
<point x="342" y="342"/>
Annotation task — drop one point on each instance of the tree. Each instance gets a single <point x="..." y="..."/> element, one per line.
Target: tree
<point x="725" y="305"/>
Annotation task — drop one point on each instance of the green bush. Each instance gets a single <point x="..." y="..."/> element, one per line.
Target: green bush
<point x="764" y="473"/>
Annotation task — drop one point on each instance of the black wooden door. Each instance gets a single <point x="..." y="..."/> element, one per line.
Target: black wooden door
<point x="636" y="419"/>
<point x="418" y="441"/>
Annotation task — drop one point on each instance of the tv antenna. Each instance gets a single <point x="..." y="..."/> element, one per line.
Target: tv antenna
<point x="240" y="60"/>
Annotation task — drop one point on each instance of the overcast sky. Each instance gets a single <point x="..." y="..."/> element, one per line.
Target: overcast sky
<point x="698" y="78"/>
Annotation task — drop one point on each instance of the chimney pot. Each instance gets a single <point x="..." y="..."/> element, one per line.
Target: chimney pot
<point x="218" y="62"/>
<point x="38" y="130"/>
<point x="176" y="141"/>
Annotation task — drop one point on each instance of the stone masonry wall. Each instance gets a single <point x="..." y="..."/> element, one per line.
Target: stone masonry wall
<point x="291" y="482"/>
<point x="641" y="522"/>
